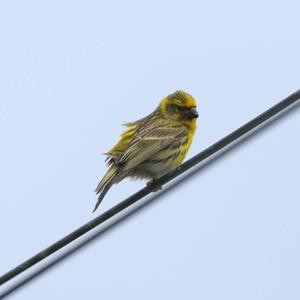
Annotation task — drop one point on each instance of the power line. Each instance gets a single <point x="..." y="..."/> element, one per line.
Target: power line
<point x="208" y="152"/>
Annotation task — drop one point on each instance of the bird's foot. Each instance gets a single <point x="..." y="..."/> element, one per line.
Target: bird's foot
<point x="154" y="188"/>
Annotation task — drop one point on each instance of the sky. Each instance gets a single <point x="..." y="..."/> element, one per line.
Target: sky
<point x="72" y="72"/>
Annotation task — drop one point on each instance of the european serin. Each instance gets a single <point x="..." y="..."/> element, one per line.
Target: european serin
<point x="154" y="145"/>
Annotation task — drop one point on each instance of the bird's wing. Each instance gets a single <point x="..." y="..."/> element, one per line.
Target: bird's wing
<point x="147" y="143"/>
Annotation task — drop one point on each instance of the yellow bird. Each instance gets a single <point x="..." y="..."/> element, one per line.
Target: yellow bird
<point x="154" y="145"/>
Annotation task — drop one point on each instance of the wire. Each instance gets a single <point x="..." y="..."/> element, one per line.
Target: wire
<point x="208" y="152"/>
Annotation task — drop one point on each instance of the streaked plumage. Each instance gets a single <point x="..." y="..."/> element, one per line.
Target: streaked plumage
<point x="154" y="145"/>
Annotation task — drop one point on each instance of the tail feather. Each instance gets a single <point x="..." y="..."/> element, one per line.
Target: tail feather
<point x="105" y="184"/>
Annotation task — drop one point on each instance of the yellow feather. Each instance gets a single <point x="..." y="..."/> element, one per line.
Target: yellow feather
<point x="126" y="138"/>
<point x="185" y="148"/>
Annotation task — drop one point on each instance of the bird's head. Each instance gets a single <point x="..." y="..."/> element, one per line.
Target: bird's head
<point x="179" y="106"/>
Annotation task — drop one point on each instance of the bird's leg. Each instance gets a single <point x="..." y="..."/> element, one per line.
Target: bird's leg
<point x="155" y="189"/>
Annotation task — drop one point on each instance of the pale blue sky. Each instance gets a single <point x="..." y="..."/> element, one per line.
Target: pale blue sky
<point x="71" y="72"/>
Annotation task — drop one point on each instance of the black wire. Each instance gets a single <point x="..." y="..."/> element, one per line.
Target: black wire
<point x="221" y="144"/>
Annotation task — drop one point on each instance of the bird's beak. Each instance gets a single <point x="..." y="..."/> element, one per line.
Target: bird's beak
<point x="193" y="114"/>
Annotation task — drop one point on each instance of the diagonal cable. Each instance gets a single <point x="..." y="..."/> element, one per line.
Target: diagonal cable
<point x="205" y="154"/>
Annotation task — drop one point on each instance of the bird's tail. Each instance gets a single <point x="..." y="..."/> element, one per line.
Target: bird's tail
<point x="105" y="184"/>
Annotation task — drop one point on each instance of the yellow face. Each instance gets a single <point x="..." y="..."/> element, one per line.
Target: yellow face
<point x="179" y="106"/>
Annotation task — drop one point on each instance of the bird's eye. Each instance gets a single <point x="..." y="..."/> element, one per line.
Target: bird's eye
<point x="179" y="108"/>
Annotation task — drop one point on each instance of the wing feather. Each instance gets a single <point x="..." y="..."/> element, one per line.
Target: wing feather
<point x="147" y="143"/>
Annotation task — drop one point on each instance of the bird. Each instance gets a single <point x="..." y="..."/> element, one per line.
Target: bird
<point x="154" y="145"/>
